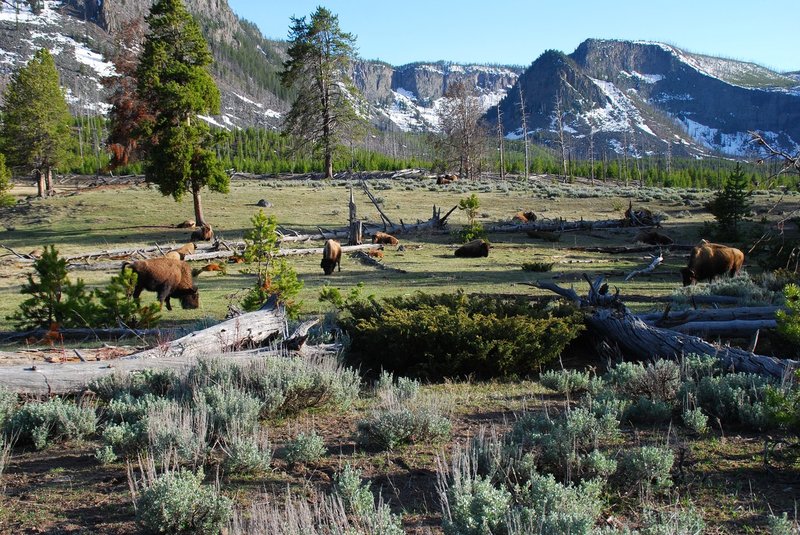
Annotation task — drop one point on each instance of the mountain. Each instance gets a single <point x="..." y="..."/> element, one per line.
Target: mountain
<point x="407" y="97"/>
<point x="619" y="97"/>
<point x="639" y="98"/>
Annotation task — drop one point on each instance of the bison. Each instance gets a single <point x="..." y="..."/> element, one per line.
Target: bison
<point x="473" y="249"/>
<point x="204" y="233"/>
<point x="385" y="239"/>
<point x="331" y="256"/>
<point x="653" y="237"/>
<point x="189" y="223"/>
<point x="181" y="252"/>
<point x="709" y="260"/>
<point x="168" y="278"/>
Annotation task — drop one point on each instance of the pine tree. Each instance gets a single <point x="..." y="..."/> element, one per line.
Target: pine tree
<point x="731" y="205"/>
<point x="5" y="183"/>
<point x="319" y="56"/>
<point x="35" y="134"/>
<point x="173" y="78"/>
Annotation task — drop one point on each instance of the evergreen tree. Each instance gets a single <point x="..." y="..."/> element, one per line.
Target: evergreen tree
<point x="5" y="183"/>
<point x="732" y="204"/>
<point x="35" y="134"/>
<point x="319" y="56"/>
<point x="174" y="80"/>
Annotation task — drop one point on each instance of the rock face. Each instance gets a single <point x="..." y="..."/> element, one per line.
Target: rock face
<point x="639" y="98"/>
<point x="405" y="97"/>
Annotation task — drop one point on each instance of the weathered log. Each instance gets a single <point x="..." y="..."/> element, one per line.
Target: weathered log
<point x="712" y="314"/>
<point x="366" y="259"/>
<point x="726" y="329"/>
<point x="642" y="341"/>
<point x="224" y="340"/>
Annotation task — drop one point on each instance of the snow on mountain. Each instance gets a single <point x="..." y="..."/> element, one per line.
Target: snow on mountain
<point x="619" y="114"/>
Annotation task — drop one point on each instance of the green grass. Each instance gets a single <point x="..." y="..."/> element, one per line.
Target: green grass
<point x="136" y="216"/>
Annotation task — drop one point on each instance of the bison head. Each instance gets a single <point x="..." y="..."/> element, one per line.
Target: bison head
<point x="327" y="265"/>
<point x="191" y="299"/>
<point x="689" y="276"/>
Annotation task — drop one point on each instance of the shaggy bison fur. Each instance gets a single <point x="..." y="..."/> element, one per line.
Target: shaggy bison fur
<point x="709" y="260"/>
<point x="203" y="233"/>
<point x="331" y="256"/>
<point x="385" y="239"/>
<point x="473" y="249"/>
<point x="168" y="278"/>
<point x="189" y="223"/>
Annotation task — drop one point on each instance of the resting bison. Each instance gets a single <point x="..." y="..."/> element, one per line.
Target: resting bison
<point x="446" y="179"/>
<point x="653" y="237"/>
<point x="331" y="256"/>
<point x="709" y="260"/>
<point x="473" y="249"/>
<point x="385" y="239"/>
<point x="524" y="217"/>
<point x="181" y="252"/>
<point x="168" y="278"/>
<point x="189" y="223"/>
<point x="203" y="233"/>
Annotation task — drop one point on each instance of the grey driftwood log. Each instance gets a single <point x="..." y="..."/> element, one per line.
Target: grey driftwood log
<point x="225" y="340"/>
<point x="609" y="318"/>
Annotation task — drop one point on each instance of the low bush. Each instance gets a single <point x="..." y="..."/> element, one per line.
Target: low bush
<point x="457" y="335"/>
<point x="178" y="502"/>
<point x="8" y="402"/>
<point x="305" y="448"/>
<point x="695" y="421"/>
<point x="537" y="267"/>
<point x="475" y="507"/>
<point x="565" y="381"/>
<point x="647" y="468"/>
<point x="247" y="452"/>
<point x="547" y="506"/>
<point x="401" y="423"/>
<point x="39" y="423"/>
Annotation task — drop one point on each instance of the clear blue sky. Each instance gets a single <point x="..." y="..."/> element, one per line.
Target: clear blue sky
<point x="518" y="31"/>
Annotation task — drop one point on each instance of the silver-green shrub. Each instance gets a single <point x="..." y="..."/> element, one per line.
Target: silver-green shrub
<point x="782" y="525"/>
<point x="247" y="451"/>
<point x="56" y="419"/>
<point x="403" y="422"/>
<point x="356" y="496"/>
<point x="178" y="429"/>
<point x="646" y="467"/>
<point x="549" y="507"/>
<point x="305" y="448"/>
<point x="676" y="521"/>
<point x="565" y="381"/>
<point x="695" y="420"/>
<point x="178" y="502"/>
<point x="228" y="408"/>
<point x="8" y="402"/>
<point x="475" y="506"/>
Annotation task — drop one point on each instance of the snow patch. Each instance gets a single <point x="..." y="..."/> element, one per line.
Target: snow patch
<point x="213" y="122"/>
<point x="619" y="114"/>
<point x="272" y="114"/>
<point x="734" y="144"/>
<point x="248" y="101"/>
<point x="94" y="60"/>
<point x="646" y="78"/>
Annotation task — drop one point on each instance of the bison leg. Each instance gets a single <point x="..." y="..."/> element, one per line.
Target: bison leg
<point x="163" y="298"/>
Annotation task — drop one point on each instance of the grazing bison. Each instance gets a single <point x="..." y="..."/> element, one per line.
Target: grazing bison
<point x="168" y="278"/>
<point x="709" y="260"/>
<point x="331" y="256"/>
<point x="473" y="249"/>
<point x="653" y="237"/>
<point x="385" y="239"/>
<point x="203" y="233"/>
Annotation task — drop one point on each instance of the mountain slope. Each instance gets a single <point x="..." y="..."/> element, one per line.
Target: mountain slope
<point x="644" y="97"/>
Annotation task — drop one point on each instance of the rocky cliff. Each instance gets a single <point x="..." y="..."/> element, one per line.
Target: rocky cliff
<point x="637" y="98"/>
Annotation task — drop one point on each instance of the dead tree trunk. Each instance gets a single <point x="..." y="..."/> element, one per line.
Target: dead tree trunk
<point x="609" y="318"/>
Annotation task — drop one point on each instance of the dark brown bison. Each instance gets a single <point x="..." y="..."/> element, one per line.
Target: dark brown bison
<point x="168" y="278"/>
<point x="331" y="256"/>
<point x="524" y="217"/>
<point x="709" y="260"/>
<point x="203" y="233"/>
<point x="653" y="237"/>
<point x="446" y="179"/>
<point x="385" y="239"/>
<point x="473" y="249"/>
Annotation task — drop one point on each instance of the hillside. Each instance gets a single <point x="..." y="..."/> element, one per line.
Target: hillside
<point x="639" y="98"/>
<point x="621" y="98"/>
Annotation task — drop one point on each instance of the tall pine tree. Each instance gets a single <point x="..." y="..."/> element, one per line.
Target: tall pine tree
<point x="174" y="80"/>
<point x="35" y="134"/>
<point x="731" y="205"/>
<point x="319" y="56"/>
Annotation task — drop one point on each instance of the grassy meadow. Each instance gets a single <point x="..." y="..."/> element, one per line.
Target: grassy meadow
<point x="82" y="220"/>
<point x="719" y="475"/>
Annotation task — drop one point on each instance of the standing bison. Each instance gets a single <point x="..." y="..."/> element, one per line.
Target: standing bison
<point x="709" y="260"/>
<point x="331" y="256"/>
<point x="168" y="278"/>
<point x="473" y="249"/>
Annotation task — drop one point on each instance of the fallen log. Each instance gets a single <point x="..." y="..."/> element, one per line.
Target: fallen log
<point x="726" y="329"/>
<point x="609" y="318"/>
<point x="88" y="334"/>
<point x="678" y="317"/>
<point x="224" y="340"/>
<point x="366" y="259"/>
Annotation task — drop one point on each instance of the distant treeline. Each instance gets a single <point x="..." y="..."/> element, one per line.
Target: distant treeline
<point x="262" y="151"/>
